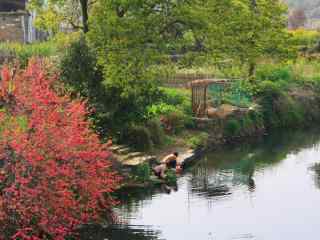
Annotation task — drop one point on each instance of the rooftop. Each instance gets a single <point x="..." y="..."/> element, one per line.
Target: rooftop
<point x="12" y="5"/>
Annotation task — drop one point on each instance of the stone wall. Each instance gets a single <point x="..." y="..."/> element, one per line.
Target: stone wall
<point x="13" y="26"/>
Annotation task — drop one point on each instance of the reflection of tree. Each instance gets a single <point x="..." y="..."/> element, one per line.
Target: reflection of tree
<point x="316" y="169"/>
<point x="119" y="233"/>
<point x="132" y="199"/>
<point x="214" y="177"/>
<point x="206" y="183"/>
<point x="234" y="166"/>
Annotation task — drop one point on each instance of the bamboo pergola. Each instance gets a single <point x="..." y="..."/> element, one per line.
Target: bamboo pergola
<point x="199" y="90"/>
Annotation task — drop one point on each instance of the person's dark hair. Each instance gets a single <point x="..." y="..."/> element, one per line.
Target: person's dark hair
<point x="176" y="154"/>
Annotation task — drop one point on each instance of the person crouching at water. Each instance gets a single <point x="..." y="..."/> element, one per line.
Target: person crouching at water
<point x="169" y="161"/>
<point x="160" y="170"/>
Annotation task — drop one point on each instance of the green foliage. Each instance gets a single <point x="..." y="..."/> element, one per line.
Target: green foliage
<point x="161" y="109"/>
<point x="232" y="128"/>
<point x="279" y="109"/>
<point x="256" y="117"/>
<point x="270" y="94"/>
<point x="260" y="28"/>
<point x="157" y="133"/>
<point x="142" y="173"/>
<point x="274" y="73"/>
<point x="269" y="89"/>
<point x="20" y="122"/>
<point x="180" y="98"/>
<point x="238" y="95"/>
<point x="82" y="76"/>
<point x="247" y="125"/>
<point x="171" y="177"/>
<point x="175" y="96"/>
<point x="292" y="114"/>
<point x="131" y="39"/>
<point x="79" y="70"/>
<point x="23" y="52"/>
<point x="139" y="137"/>
<point x="176" y="121"/>
<point x="304" y="38"/>
<point x="53" y="14"/>
<point x="199" y="140"/>
<point x="119" y="99"/>
<point x="128" y="94"/>
<point x="174" y="109"/>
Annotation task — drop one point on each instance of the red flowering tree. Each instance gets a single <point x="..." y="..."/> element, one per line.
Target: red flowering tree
<point x="54" y="173"/>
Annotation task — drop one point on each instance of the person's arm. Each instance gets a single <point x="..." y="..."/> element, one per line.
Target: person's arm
<point x="165" y="159"/>
<point x="170" y="158"/>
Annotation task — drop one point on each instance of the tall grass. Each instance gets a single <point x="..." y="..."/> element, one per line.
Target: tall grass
<point x="304" y="38"/>
<point x="23" y="52"/>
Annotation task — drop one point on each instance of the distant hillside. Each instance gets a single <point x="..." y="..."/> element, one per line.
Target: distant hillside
<point x="311" y="7"/>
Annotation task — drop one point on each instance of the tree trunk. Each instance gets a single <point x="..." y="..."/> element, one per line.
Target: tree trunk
<point x="254" y="5"/>
<point x="252" y="70"/>
<point x="85" y="15"/>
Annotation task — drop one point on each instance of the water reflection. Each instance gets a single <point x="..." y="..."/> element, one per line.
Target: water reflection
<point x="120" y="232"/>
<point x="316" y="173"/>
<point x="233" y="193"/>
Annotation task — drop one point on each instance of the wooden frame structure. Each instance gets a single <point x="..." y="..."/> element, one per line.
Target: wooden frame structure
<point x="199" y="89"/>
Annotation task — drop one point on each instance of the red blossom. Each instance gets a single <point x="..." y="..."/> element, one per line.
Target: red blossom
<point x="56" y="174"/>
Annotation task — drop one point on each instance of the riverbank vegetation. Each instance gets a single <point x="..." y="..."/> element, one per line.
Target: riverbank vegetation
<point x="131" y="63"/>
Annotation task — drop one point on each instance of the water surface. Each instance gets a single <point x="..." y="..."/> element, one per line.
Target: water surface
<point x="268" y="190"/>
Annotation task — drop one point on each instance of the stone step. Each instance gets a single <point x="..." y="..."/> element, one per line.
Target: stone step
<point x="138" y="160"/>
<point x="132" y="155"/>
<point x="124" y="150"/>
<point x="115" y="148"/>
<point x="134" y="161"/>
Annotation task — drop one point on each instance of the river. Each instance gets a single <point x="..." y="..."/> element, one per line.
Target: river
<point x="268" y="190"/>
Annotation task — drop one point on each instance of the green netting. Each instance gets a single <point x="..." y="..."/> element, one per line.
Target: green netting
<point x="216" y="92"/>
<point x="233" y="94"/>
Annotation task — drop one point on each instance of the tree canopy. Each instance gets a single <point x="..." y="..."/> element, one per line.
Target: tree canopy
<point x="53" y="15"/>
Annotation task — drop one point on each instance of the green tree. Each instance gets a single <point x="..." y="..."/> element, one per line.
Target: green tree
<point x="51" y="14"/>
<point x="131" y="38"/>
<point x="247" y="30"/>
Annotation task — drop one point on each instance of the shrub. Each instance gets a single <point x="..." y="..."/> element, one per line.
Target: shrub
<point x="156" y="131"/>
<point x="82" y="76"/>
<point x="232" y="128"/>
<point x="291" y="113"/>
<point x="174" y="122"/>
<point x="138" y="137"/>
<point x="79" y="71"/>
<point x="180" y="98"/>
<point x="200" y="140"/>
<point x="56" y="174"/>
<point x="161" y="109"/>
<point x="279" y="109"/>
<point x="143" y="172"/>
<point x="257" y="118"/>
<point x="239" y="93"/>
<point x="174" y="96"/>
<point x="274" y="73"/>
<point x="172" y="118"/>
<point x="269" y="95"/>
<point x="171" y="177"/>
<point x="304" y="38"/>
